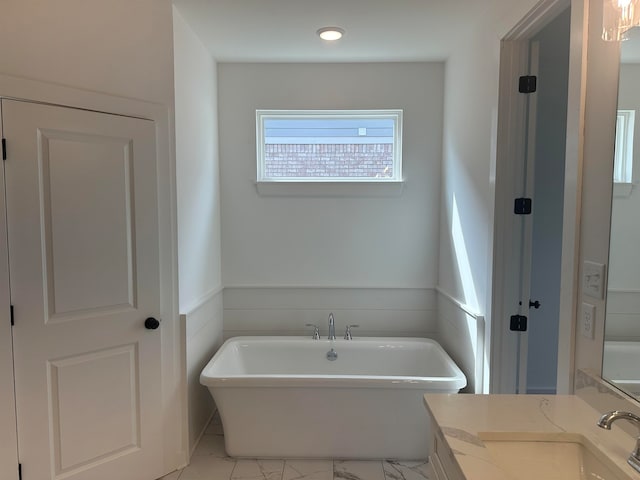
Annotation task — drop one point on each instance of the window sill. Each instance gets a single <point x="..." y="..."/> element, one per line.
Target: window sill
<point x="621" y="190"/>
<point x="330" y="189"/>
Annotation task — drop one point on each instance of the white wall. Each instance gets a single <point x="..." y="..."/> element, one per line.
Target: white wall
<point x="361" y="242"/>
<point x="623" y="296"/>
<point x="335" y="241"/>
<point x="466" y="215"/>
<point x="197" y="167"/>
<point x="198" y="188"/>
<point x="118" y="47"/>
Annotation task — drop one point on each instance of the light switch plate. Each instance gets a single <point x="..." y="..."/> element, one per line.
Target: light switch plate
<point x="593" y="280"/>
<point x="588" y="320"/>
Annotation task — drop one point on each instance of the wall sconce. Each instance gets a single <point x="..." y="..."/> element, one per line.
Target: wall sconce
<point x="618" y="16"/>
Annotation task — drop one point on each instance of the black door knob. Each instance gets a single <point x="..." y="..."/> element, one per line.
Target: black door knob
<point x="151" y="323"/>
<point x="535" y="304"/>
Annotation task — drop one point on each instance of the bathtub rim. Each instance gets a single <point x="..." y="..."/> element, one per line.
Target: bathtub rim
<point x="449" y="384"/>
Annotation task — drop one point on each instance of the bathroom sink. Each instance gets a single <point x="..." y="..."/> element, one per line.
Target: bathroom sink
<point x="551" y="457"/>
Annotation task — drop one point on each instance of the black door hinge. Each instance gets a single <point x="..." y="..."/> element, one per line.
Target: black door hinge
<point x="518" y="323"/>
<point x="4" y="149"/>
<point x="20" y="471"/>
<point x="527" y="84"/>
<point x="522" y="206"/>
<point x="12" y="319"/>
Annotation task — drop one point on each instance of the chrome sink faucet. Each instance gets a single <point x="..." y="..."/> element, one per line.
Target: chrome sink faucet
<point x="332" y="328"/>
<point x="607" y="420"/>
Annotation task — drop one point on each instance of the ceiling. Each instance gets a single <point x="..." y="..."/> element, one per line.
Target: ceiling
<point x="285" y="30"/>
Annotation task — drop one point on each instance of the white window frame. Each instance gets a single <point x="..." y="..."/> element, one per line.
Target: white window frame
<point x="623" y="157"/>
<point x="395" y="115"/>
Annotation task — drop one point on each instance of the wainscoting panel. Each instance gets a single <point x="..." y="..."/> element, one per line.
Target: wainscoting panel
<point x="461" y="334"/>
<point x="623" y="315"/>
<point x="203" y="327"/>
<point x="398" y="312"/>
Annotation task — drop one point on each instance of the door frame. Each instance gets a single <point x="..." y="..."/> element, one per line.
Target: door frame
<point x="174" y="405"/>
<point x="8" y="426"/>
<point x="514" y="61"/>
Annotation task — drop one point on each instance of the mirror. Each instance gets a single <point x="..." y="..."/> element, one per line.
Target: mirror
<point x="621" y="359"/>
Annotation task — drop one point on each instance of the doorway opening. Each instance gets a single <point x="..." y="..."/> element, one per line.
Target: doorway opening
<point x="530" y="167"/>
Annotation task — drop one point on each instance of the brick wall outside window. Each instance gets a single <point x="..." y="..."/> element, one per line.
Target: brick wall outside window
<point x="335" y="160"/>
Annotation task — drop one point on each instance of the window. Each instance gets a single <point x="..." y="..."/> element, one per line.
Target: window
<point x="623" y="158"/>
<point x="329" y="145"/>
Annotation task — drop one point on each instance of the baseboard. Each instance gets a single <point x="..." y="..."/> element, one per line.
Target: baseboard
<point x="201" y="434"/>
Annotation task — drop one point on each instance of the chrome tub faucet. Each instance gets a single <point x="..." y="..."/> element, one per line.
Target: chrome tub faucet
<point x="347" y="333"/>
<point x="607" y="420"/>
<point x="332" y="328"/>
<point x="316" y="331"/>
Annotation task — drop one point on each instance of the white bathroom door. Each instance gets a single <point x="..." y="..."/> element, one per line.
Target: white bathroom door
<point x="82" y="222"/>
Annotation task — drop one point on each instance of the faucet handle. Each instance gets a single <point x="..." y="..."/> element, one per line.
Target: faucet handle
<point x="316" y="330"/>
<point x="347" y="333"/>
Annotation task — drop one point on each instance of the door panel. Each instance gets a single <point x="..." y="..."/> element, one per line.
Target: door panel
<point x="8" y="439"/>
<point x="83" y="240"/>
<point x="114" y="411"/>
<point x="98" y="170"/>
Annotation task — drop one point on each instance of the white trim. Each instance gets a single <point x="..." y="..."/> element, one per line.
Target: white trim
<point x="572" y="208"/>
<point x="200" y="301"/>
<point x="462" y="306"/>
<point x="391" y="114"/>
<point x="347" y="188"/>
<point x="623" y="151"/>
<point x="8" y="430"/>
<point x="18" y="88"/>
<point x="325" y="287"/>
<point x="622" y="290"/>
<point x="174" y="408"/>
<point x="329" y="140"/>
<point x="514" y="61"/>
<point x="622" y="190"/>
<point x="201" y="434"/>
<point x="536" y="19"/>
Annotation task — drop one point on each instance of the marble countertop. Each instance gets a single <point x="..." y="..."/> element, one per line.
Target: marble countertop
<point x="464" y="419"/>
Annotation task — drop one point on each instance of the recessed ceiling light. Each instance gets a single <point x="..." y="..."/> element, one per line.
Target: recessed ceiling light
<point x="331" y="33"/>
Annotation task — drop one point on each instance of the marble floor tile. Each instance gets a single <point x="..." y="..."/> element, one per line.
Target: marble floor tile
<point x="308" y="470"/>
<point x="358" y="470"/>
<point x="211" y="445"/>
<point x="401" y="470"/>
<point x="258" y="470"/>
<point x="208" y="467"/>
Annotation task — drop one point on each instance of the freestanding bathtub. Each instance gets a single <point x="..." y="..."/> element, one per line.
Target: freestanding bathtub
<point x="281" y="396"/>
